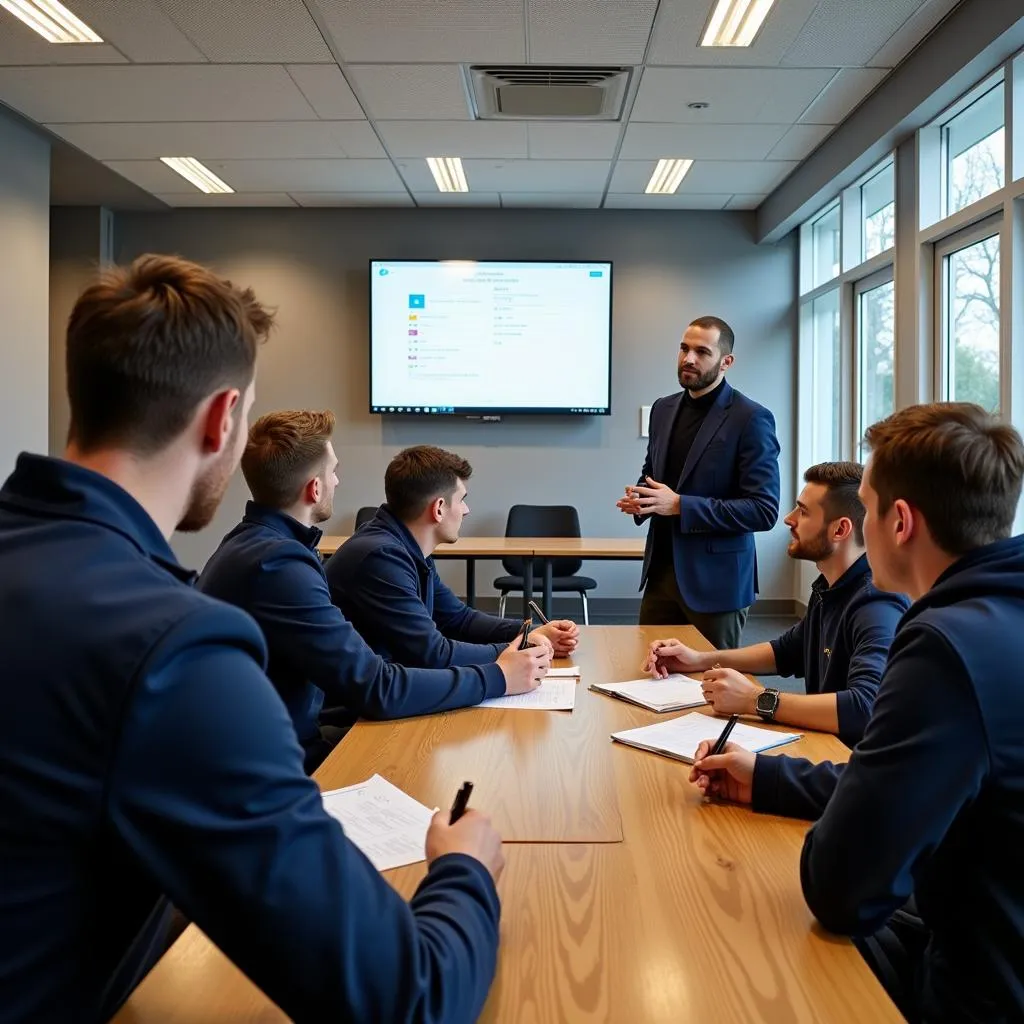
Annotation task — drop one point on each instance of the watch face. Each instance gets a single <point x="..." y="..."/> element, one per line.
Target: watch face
<point x="768" y="701"/>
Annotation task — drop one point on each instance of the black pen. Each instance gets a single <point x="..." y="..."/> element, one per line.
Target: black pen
<point x="540" y="615"/>
<point x="524" y="635"/>
<point x="461" y="802"/>
<point x="724" y="738"/>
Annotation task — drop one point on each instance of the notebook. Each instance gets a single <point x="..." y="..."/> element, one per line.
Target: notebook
<point x="673" y="693"/>
<point x="558" y="694"/>
<point x="680" y="737"/>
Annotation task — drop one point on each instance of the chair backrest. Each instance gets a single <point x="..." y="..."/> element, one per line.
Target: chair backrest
<point x="542" y="521"/>
<point x="365" y="514"/>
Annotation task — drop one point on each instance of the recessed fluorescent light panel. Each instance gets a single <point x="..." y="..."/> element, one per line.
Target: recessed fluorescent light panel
<point x="53" y="21"/>
<point x="667" y="176"/>
<point x="448" y="173"/>
<point x="736" y="22"/>
<point x="202" y="177"/>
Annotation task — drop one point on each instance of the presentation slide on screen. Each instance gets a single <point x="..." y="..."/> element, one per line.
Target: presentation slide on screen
<point x="447" y="336"/>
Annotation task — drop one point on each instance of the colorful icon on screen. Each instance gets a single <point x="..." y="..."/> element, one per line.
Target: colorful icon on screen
<point x="417" y="302"/>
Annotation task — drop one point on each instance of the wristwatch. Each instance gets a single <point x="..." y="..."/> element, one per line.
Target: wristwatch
<point x="767" y="704"/>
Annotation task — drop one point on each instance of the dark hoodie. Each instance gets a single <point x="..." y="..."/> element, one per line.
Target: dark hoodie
<point x="931" y="803"/>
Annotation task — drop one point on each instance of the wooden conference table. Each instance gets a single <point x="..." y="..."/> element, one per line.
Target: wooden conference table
<point x="625" y="898"/>
<point x="543" y="549"/>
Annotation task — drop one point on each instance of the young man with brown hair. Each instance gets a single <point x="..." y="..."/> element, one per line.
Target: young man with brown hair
<point x="386" y="583"/>
<point x="144" y="755"/>
<point x="931" y="804"/>
<point x="838" y="648"/>
<point x="268" y="565"/>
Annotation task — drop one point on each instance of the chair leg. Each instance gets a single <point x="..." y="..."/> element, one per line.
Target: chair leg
<point x="586" y="609"/>
<point x="501" y="604"/>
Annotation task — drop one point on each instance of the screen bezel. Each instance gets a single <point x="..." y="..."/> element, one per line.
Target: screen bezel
<point x="490" y="410"/>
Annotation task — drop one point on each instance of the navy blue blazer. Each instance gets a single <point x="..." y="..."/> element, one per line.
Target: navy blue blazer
<point x="729" y="490"/>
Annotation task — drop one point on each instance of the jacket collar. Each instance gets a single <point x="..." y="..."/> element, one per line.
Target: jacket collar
<point x="58" y="489"/>
<point x="282" y="523"/>
<point x="853" y="575"/>
<point x="713" y="419"/>
<point x="387" y="520"/>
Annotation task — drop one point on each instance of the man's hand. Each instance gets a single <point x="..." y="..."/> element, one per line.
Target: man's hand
<point x="630" y="503"/>
<point x="664" y="657"/>
<point x="730" y="692"/>
<point x="657" y="499"/>
<point x="728" y="776"/>
<point x="562" y="634"/>
<point x="523" y="670"/>
<point x="473" y="834"/>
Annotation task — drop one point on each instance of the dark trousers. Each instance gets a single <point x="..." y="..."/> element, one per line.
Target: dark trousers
<point x="663" y="605"/>
<point x="896" y="954"/>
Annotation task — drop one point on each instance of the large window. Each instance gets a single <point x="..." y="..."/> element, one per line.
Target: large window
<point x="878" y="212"/>
<point x="969" y="296"/>
<point x="876" y="331"/>
<point x="974" y="146"/>
<point x="827" y="379"/>
<point x="825" y="247"/>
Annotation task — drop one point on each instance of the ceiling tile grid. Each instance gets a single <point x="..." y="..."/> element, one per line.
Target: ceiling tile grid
<point x="337" y="102"/>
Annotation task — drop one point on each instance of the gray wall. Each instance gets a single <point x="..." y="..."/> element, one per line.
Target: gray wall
<point x="24" y="291"/>
<point x="669" y="267"/>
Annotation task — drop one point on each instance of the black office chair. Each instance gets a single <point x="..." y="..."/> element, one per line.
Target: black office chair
<point x="544" y="521"/>
<point x="365" y="514"/>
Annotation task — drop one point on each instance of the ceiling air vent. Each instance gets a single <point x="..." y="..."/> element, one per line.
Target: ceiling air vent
<point x="559" y="93"/>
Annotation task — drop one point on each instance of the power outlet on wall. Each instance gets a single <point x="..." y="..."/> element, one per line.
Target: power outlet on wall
<point x="645" y="420"/>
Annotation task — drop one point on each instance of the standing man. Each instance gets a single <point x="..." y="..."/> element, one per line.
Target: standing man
<point x="711" y="481"/>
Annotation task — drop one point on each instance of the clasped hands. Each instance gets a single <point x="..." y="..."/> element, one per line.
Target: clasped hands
<point x="655" y="499"/>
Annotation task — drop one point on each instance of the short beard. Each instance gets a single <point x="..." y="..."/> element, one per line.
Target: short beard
<point x="209" y="489"/>
<point x="323" y="510"/>
<point x="815" y="550"/>
<point x="704" y="381"/>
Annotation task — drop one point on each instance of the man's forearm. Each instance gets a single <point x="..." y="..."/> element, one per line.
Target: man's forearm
<point x="758" y="658"/>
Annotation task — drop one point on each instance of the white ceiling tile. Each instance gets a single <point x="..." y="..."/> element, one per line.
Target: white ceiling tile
<point x="700" y="141"/>
<point x="250" y="31"/>
<point x="680" y="25"/>
<point x="911" y="32"/>
<point x="454" y="138"/>
<point x="325" y="88"/>
<point x="308" y="175"/>
<point x="565" y="140"/>
<point x="843" y="34"/>
<point x="320" y="199"/>
<point x="482" y="31"/>
<point x="537" y="175"/>
<point x="429" y="92"/>
<point x="735" y="95"/>
<point x="197" y="198"/>
<point x="800" y="141"/>
<point x="678" y="201"/>
<point x="212" y="140"/>
<point x="843" y="93"/>
<point x="457" y="199"/>
<point x="140" y="30"/>
<point x="745" y="202"/>
<point x="557" y="200"/>
<point x="589" y="31"/>
<point x="711" y="177"/>
<point x="166" y="92"/>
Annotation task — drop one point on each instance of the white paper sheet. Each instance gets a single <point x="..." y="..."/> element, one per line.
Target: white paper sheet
<point x="557" y="694"/>
<point x="385" y="823"/>
<point x="680" y="737"/>
<point x="670" y="694"/>
<point x="571" y="672"/>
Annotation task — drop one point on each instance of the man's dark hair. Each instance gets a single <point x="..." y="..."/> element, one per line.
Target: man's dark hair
<point x="420" y="475"/>
<point x="957" y="464"/>
<point x="726" y="338"/>
<point x="147" y="343"/>
<point x="841" y="481"/>
<point x="285" y="450"/>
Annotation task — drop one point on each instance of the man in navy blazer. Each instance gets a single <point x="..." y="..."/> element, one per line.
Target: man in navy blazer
<point x="710" y="481"/>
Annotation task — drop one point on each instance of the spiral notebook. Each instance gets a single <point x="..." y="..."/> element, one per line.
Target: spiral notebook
<point x="673" y="693"/>
<point x="680" y="737"/>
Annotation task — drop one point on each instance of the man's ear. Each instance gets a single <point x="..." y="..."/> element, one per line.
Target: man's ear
<point x="218" y="419"/>
<point x="437" y="509"/>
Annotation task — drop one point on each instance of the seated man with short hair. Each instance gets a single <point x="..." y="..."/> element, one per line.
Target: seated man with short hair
<point x="386" y="583"/>
<point x="839" y="647"/>
<point x="268" y="565"/>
